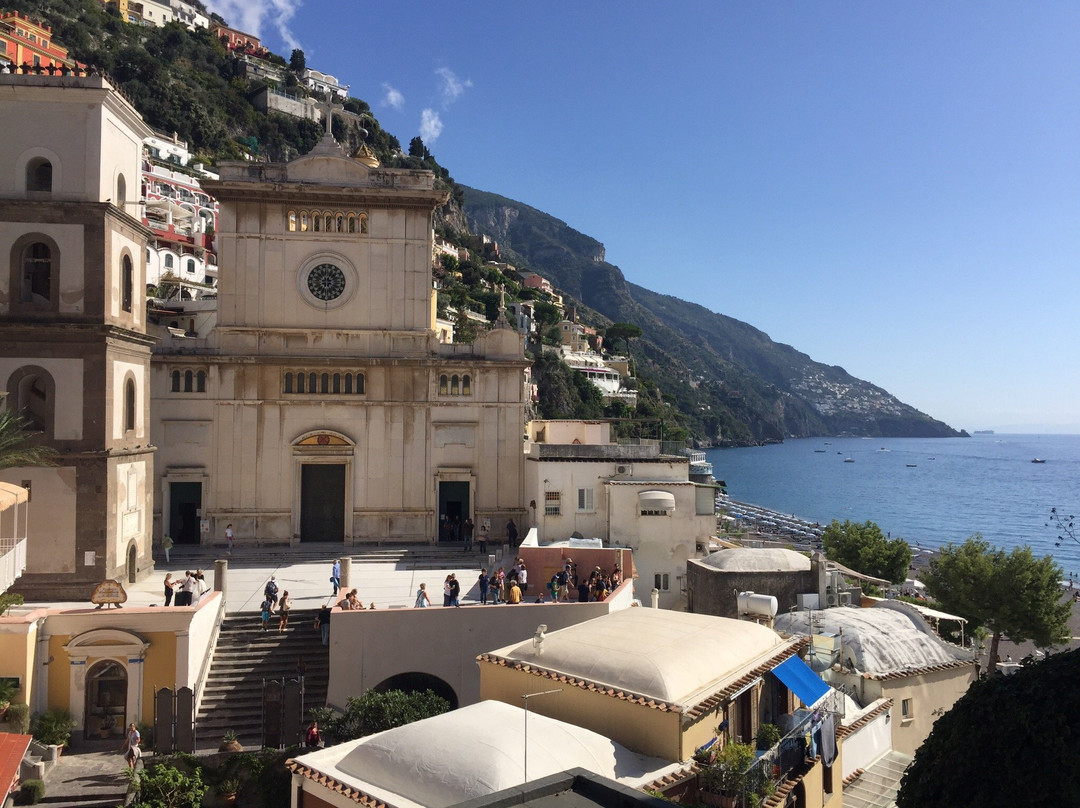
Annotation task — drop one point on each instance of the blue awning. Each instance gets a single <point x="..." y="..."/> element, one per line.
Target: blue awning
<point x="801" y="680"/>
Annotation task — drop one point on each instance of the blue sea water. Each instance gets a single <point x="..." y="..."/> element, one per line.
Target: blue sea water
<point x="929" y="491"/>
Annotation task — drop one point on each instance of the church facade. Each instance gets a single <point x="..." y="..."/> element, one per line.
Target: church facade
<point x="321" y="407"/>
<point x="74" y="352"/>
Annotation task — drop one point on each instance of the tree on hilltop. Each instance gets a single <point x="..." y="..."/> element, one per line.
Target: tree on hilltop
<point x="297" y="61"/>
<point x="624" y="332"/>
<point x="864" y="548"/>
<point x="1012" y="594"/>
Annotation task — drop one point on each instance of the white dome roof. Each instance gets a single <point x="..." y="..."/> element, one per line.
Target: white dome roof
<point x="750" y="559"/>
<point x="473" y="752"/>
<point x="665" y="655"/>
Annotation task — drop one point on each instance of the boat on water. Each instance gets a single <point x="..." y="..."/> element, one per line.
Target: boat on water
<point x="819" y="451"/>
<point x="849" y="460"/>
<point x="912" y="465"/>
<point x="1037" y="460"/>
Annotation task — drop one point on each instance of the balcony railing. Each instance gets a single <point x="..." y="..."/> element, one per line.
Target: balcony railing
<point x="12" y="561"/>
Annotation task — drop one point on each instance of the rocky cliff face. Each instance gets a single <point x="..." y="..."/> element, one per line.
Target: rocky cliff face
<point x="735" y="385"/>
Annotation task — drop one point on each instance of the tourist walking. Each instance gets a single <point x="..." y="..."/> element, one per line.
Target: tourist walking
<point x="166" y="545"/>
<point x="283" y="611"/>
<point x="270" y="592"/>
<point x="455" y="591"/>
<point x="446" y="591"/>
<point x="187" y="589"/>
<point x="335" y="576"/>
<point x="322" y="622"/>
<point x="131" y="750"/>
<point x="467" y="532"/>
<point x="201" y="586"/>
<point x="264" y="612"/>
<point x="483" y="537"/>
<point x="229" y="538"/>
<point x="422" y="599"/>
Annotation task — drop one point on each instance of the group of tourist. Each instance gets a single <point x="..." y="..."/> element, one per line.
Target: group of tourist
<point x="510" y="586"/>
<point x="271" y="601"/>
<point x="453" y="528"/>
<point x="188" y="591"/>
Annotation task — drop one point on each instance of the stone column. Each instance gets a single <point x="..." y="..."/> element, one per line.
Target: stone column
<point x="346" y="573"/>
<point x="221" y="570"/>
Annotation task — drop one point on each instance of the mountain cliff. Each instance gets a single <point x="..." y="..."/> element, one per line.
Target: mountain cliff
<point x="734" y="383"/>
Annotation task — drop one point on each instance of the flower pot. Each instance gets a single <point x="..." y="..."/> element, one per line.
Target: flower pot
<point x="230" y="746"/>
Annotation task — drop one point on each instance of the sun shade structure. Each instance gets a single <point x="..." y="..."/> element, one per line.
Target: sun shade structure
<point x="801" y="680"/>
<point x="656" y="500"/>
<point x="766" y="559"/>
<point x="465" y="754"/>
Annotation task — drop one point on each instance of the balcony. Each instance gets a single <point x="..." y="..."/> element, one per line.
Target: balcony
<point x="14" y="515"/>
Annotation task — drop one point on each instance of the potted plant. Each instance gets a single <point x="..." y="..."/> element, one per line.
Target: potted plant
<point x="229" y="742"/>
<point x="53" y="728"/>
<point x="725" y="780"/>
<point x="768" y="736"/>
<point x="106" y="725"/>
<point x="227" y="789"/>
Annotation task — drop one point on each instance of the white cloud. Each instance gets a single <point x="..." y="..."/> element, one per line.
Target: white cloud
<point x="392" y="98"/>
<point x="431" y="126"/>
<point x="250" y="15"/>
<point x="452" y="86"/>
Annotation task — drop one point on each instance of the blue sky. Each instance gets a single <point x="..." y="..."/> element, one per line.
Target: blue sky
<point x="891" y="188"/>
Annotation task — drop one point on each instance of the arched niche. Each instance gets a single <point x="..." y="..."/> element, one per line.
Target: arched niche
<point x="85" y="650"/>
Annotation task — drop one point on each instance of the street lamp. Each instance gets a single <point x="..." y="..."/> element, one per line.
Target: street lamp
<point x="526" y="697"/>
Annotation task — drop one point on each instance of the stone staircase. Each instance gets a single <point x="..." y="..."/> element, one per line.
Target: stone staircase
<point x="244" y="657"/>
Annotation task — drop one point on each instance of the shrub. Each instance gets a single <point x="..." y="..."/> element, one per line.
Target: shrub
<point x="768" y="736"/>
<point x="164" y="786"/>
<point x="32" y="792"/>
<point x="52" y="727"/>
<point x="18" y="716"/>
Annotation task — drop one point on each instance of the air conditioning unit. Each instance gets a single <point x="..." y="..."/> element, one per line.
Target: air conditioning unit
<point x="845" y="598"/>
<point x="623" y="470"/>
<point x="830" y="599"/>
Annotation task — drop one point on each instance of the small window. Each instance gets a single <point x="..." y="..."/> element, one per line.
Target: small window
<point x="336" y="383"/>
<point x="324" y="386"/>
<point x="189" y="379"/>
<point x="313" y="382"/>
<point x="301" y="378"/>
<point x="168" y="261"/>
<point x="363" y="224"/>
<point x="129" y="405"/>
<point x="360" y="384"/>
<point x="288" y="382"/>
<point x="316" y="221"/>
<point x="329" y="223"/>
<point x="37" y="273"/>
<point x="39" y="175"/>
<point x="352" y="223"/>
<point x="176" y="381"/>
<point x="466" y="385"/>
<point x="340" y="223"/>
<point x="585" y="499"/>
<point x="660" y="581"/>
<point x="292" y="221"/>
<point x="444" y="385"/>
<point x="906" y="709"/>
<point x="348" y="382"/>
<point x="552" y="503"/>
<point x="127" y="284"/>
<point x="200" y="382"/>
<point x="191" y="265"/>
<point x="303" y="221"/>
<point x="454" y="382"/>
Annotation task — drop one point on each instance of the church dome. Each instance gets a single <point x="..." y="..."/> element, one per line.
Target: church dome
<point x="366" y="156"/>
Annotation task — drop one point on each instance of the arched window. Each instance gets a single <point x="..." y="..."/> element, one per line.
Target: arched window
<point x="348" y="382"/>
<point x="32" y="394"/>
<point x="454" y="381"/>
<point x="37" y="273"/>
<point x="288" y="382"/>
<point x="329" y="223"/>
<point x="337" y="383"/>
<point x="200" y="382"/>
<point x="168" y="261"/>
<point x="316" y="221"/>
<point x="340" y="223"/>
<point x="466" y="385"/>
<point x="188" y="379"/>
<point x="129" y="405"/>
<point x="325" y="386"/>
<point x="39" y="175"/>
<point x="303" y="221"/>
<point x="300" y="379"/>
<point x="191" y="265"/>
<point x="121" y="192"/>
<point x="363" y="224"/>
<point x="352" y="223"/>
<point x="359" y="383"/>
<point x="127" y="283"/>
<point x="176" y="381"/>
<point x="443" y="385"/>
<point x="292" y="221"/>
<point x="313" y="382"/>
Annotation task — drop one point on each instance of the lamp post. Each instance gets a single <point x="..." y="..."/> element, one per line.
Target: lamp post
<point x="526" y="697"/>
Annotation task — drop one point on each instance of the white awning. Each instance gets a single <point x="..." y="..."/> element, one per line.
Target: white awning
<point x="656" y="500"/>
<point x="168" y="206"/>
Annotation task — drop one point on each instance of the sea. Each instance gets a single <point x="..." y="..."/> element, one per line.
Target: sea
<point x="928" y="491"/>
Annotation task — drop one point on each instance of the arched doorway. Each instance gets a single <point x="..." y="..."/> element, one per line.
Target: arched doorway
<point x="106" y="700"/>
<point x="417" y="682"/>
<point x="132" y="568"/>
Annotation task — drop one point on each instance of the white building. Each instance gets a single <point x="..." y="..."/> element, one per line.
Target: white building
<point x="578" y="481"/>
<point x="325" y="83"/>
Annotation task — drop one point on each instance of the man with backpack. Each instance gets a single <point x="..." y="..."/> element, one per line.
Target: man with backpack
<point x="270" y="592"/>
